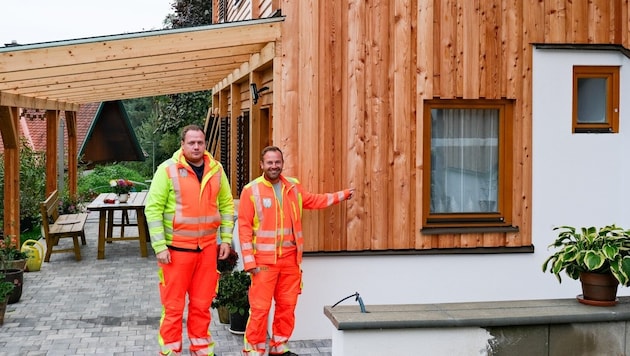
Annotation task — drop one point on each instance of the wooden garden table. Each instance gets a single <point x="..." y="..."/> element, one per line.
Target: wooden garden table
<point x="106" y="220"/>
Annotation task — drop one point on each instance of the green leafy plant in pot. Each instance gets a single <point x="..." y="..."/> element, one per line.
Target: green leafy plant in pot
<point x="11" y="256"/>
<point x="233" y="289"/>
<point x="233" y="293"/>
<point x="225" y="266"/>
<point x="598" y="257"/>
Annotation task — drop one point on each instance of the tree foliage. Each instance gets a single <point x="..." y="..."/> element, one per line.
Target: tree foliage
<point x="183" y="109"/>
<point x="191" y="13"/>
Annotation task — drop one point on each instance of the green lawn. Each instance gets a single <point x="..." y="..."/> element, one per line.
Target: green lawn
<point x="34" y="234"/>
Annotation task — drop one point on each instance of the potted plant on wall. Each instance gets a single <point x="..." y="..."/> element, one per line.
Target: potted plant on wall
<point x="598" y="257"/>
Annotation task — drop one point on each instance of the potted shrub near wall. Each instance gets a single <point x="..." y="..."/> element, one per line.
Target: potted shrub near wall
<point x="598" y="257"/>
<point x="233" y="290"/>
<point x="220" y="301"/>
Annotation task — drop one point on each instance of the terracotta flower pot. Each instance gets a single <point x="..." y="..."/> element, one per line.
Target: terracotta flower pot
<point x="224" y="314"/>
<point x="17" y="264"/>
<point x="598" y="289"/>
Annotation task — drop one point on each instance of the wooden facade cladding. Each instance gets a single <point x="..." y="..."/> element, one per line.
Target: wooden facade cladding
<point x="350" y="80"/>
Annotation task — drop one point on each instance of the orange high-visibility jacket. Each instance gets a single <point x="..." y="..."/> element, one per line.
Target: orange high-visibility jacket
<point x="185" y="213"/>
<point x="265" y="227"/>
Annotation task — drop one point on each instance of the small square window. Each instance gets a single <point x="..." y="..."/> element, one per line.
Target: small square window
<point x="595" y="99"/>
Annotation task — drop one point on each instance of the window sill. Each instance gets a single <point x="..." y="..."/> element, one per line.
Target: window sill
<point x="467" y="230"/>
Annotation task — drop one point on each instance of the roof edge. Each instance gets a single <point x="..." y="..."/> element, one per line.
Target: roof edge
<point x="585" y="46"/>
<point x="132" y="35"/>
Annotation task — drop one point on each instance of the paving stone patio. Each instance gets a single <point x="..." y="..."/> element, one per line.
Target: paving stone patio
<point x="101" y="307"/>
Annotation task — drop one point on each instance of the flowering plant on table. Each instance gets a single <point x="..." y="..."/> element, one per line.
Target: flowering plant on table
<point x="121" y="186"/>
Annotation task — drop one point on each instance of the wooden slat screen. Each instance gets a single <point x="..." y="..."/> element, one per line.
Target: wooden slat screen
<point x="242" y="149"/>
<point x="225" y="145"/>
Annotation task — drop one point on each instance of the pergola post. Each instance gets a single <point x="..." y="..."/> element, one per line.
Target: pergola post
<point x="52" y="124"/>
<point x="9" y="127"/>
<point x="71" y="126"/>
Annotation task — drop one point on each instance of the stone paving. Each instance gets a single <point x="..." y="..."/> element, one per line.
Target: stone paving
<point x="102" y="307"/>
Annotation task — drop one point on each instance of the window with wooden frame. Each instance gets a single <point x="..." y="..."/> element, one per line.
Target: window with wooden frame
<point x="596" y="99"/>
<point x="467" y="179"/>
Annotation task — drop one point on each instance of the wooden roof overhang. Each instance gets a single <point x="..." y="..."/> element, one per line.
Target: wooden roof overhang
<point x="62" y="75"/>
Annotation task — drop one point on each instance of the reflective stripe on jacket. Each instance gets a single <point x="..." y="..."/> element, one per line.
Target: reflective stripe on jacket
<point x="182" y="212"/>
<point x="265" y="228"/>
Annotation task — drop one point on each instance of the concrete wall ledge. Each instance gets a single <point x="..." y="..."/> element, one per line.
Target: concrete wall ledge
<point x="475" y="314"/>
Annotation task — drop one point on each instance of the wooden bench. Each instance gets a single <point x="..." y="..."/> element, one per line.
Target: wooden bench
<point x="58" y="226"/>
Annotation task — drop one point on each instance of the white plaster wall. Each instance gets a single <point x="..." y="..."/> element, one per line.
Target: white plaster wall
<point x="578" y="179"/>
<point x="412" y="342"/>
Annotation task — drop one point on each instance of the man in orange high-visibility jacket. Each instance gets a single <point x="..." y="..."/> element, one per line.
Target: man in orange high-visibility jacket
<point x="270" y="234"/>
<point x="189" y="201"/>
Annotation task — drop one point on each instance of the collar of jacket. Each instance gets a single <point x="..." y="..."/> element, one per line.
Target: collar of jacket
<point x="287" y="183"/>
<point x="208" y="160"/>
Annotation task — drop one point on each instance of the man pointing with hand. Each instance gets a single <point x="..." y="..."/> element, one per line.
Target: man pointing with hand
<point x="270" y="234"/>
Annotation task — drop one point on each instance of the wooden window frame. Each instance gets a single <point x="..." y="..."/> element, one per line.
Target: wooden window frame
<point x="611" y="74"/>
<point x="502" y="218"/>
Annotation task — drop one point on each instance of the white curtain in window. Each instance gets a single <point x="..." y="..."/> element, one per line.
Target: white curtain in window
<point x="464" y="160"/>
<point x="592" y="100"/>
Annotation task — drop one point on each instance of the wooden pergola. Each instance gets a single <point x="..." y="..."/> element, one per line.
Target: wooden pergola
<point x="62" y="75"/>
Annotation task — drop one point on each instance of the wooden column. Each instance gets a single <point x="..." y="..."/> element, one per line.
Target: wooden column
<point x="9" y="127"/>
<point x="52" y="125"/>
<point x="71" y="125"/>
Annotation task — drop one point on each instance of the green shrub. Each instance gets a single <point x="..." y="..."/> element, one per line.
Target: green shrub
<point x="97" y="180"/>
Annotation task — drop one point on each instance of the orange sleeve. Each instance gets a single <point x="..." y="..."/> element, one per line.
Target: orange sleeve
<point x="246" y="215"/>
<point x="320" y="201"/>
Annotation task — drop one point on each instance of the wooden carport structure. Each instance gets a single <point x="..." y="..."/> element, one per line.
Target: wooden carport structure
<point x="62" y="75"/>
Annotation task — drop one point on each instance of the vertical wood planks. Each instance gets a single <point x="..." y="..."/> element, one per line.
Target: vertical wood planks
<point x="349" y="84"/>
<point x="354" y="115"/>
<point x="332" y="128"/>
<point x="402" y="128"/>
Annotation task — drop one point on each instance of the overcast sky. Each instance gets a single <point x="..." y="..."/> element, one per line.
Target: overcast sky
<point x="34" y="21"/>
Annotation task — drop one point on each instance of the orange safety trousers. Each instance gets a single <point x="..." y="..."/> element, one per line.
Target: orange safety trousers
<point x="282" y="282"/>
<point x="194" y="273"/>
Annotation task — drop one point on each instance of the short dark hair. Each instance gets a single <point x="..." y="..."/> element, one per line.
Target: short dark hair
<point x="270" y="148"/>
<point x="191" y="128"/>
